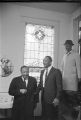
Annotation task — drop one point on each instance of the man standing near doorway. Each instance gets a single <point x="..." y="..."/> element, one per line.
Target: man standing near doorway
<point x="71" y="74"/>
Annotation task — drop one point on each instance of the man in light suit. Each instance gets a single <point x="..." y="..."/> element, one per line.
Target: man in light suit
<point x="71" y="74"/>
<point x="51" y="87"/>
<point x="23" y="89"/>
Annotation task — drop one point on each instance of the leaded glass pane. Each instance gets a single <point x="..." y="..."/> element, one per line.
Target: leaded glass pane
<point x="39" y="42"/>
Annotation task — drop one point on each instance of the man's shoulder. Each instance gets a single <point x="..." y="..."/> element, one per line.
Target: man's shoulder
<point x="17" y="78"/>
<point x="75" y="55"/>
<point x="32" y="78"/>
<point x="57" y="70"/>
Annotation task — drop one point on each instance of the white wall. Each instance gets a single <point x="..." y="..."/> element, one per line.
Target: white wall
<point x="74" y="16"/>
<point x="0" y="40"/>
<point x="76" y="13"/>
<point x="13" y="31"/>
<point x="0" y="30"/>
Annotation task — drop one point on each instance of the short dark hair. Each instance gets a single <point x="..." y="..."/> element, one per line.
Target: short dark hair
<point x="50" y="58"/>
<point x="24" y="66"/>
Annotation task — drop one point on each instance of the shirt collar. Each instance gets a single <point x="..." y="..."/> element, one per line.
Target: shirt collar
<point x="49" y="68"/>
<point x="23" y="79"/>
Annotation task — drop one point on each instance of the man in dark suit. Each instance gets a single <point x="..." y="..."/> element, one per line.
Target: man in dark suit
<point x="51" y="87"/>
<point x="23" y="89"/>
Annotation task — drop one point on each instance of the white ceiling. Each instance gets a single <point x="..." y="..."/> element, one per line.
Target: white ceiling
<point x="63" y="7"/>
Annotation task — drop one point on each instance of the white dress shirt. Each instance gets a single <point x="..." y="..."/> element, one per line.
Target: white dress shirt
<point x="25" y="81"/>
<point x="48" y="69"/>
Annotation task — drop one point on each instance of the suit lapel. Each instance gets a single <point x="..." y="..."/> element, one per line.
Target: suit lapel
<point x="41" y="77"/>
<point x="24" y="83"/>
<point x="21" y="82"/>
<point x="29" y="82"/>
<point x="50" y="72"/>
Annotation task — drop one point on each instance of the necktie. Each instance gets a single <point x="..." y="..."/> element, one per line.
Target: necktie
<point x="26" y="82"/>
<point x="46" y="74"/>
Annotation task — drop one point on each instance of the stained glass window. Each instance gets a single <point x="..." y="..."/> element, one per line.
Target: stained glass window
<point x="39" y="42"/>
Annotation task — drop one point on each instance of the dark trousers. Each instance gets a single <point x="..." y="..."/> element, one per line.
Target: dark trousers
<point x="68" y="103"/>
<point x="49" y="111"/>
<point x="17" y="114"/>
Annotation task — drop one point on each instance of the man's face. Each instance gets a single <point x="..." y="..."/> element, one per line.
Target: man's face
<point x="68" y="47"/>
<point x="46" y="62"/>
<point x="25" y="72"/>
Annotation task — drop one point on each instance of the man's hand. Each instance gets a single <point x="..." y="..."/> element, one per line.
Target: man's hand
<point x="56" y="102"/>
<point x="23" y="91"/>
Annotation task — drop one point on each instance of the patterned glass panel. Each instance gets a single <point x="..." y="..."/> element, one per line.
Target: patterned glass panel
<point x="39" y="42"/>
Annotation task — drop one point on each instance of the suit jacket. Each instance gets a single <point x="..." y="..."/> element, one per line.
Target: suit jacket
<point x="53" y="85"/>
<point x="23" y="102"/>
